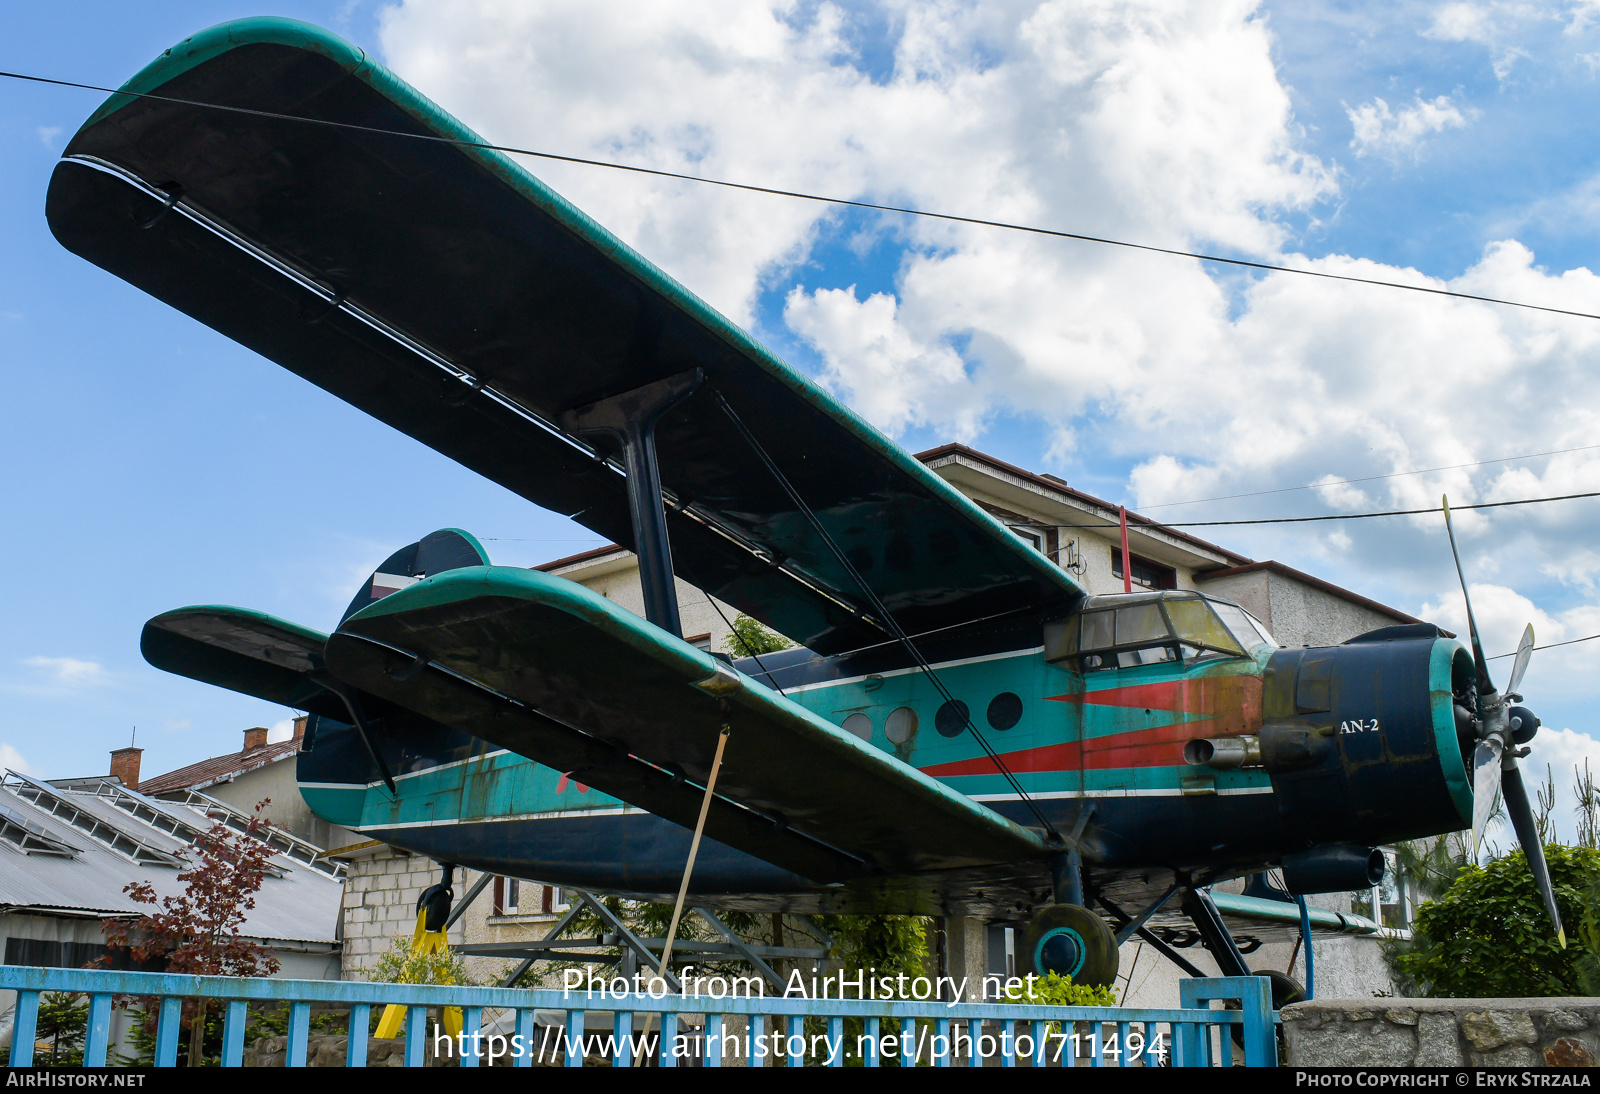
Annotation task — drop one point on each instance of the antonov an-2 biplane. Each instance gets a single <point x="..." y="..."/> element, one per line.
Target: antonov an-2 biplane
<point x="962" y="730"/>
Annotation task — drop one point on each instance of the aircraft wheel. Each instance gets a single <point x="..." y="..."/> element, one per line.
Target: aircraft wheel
<point x="1285" y="989"/>
<point x="1070" y="940"/>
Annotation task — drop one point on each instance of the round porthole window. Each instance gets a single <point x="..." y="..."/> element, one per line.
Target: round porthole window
<point x="1005" y="710"/>
<point x="901" y="725"/>
<point x="860" y="725"/>
<point x="951" y="718"/>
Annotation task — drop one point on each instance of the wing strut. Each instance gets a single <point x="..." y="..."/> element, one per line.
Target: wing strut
<point x="630" y="418"/>
<point x="879" y="607"/>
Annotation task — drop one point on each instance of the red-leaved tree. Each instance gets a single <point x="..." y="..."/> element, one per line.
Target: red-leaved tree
<point x="198" y="931"/>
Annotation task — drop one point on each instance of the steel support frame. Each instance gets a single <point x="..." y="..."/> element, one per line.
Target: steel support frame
<point x="630" y="418"/>
<point x="1202" y="910"/>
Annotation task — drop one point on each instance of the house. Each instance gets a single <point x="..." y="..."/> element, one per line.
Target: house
<point x="258" y="772"/>
<point x="69" y="848"/>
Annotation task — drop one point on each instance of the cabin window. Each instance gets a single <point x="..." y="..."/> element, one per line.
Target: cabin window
<point x="1128" y="631"/>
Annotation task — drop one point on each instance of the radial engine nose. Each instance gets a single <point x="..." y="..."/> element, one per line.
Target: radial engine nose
<point x="1525" y="723"/>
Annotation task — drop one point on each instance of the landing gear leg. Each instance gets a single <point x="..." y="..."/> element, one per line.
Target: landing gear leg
<point x="1199" y="907"/>
<point x="433" y="916"/>
<point x="1067" y="938"/>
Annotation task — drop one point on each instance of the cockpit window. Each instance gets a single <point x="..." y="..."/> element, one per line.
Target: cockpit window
<point x="1129" y="630"/>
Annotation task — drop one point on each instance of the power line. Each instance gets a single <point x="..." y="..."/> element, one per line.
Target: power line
<point x="1337" y="516"/>
<point x="802" y="196"/>
<point x="1551" y="646"/>
<point x="1371" y="478"/>
<point x="1385" y="513"/>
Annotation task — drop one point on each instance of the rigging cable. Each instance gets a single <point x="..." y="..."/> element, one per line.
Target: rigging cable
<point x="878" y="606"/>
<point x="802" y="196"/>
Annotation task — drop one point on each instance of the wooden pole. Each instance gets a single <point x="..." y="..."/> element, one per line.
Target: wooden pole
<point x="683" y="886"/>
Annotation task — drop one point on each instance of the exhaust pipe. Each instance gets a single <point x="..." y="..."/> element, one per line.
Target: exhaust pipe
<point x="1332" y="868"/>
<point x="1223" y="752"/>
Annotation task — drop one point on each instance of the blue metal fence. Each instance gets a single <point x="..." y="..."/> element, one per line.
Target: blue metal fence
<point x="991" y="1034"/>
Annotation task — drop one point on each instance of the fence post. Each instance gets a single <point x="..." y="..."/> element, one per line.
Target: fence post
<point x="23" y="1030"/>
<point x="98" y="1037"/>
<point x="1254" y="995"/>
<point x="355" y="1049"/>
<point x="167" y="1031"/>
<point x="711" y="1040"/>
<point x="234" y="1017"/>
<point x="416" y="1036"/>
<point x="299" y="1034"/>
<point x="575" y="1035"/>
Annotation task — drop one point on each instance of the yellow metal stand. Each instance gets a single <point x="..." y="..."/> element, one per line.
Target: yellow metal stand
<point x="423" y="941"/>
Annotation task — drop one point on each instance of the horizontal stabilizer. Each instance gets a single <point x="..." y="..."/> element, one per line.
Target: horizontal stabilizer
<point x="549" y="669"/>
<point x="244" y="651"/>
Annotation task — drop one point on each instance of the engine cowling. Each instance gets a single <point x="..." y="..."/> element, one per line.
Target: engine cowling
<point x="1362" y="741"/>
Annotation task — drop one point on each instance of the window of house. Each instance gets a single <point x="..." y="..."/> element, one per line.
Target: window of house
<point x="512" y="896"/>
<point x="700" y="641"/>
<point x="1033" y="537"/>
<point x="1147" y="574"/>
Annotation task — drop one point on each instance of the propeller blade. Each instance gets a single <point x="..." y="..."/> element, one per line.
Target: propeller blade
<point x="1485" y="783"/>
<point x="1485" y="686"/>
<point x="1521" y="812"/>
<point x="1520" y="665"/>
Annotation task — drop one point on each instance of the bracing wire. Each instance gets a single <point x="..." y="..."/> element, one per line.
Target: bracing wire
<point x="887" y="619"/>
<point x="799" y="195"/>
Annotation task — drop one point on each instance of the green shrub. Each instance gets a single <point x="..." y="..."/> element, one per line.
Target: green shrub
<point x="1488" y="935"/>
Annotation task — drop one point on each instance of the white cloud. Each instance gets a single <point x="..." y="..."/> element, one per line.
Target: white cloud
<point x="280" y="731"/>
<point x="69" y="672"/>
<point x="48" y="134"/>
<point x="1340" y="494"/>
<point x="1560" y="756"/>
<point x="1382" y="132"/>
<point x="1157" y="122"/>
<point x="1464" y="22"/>
<point x="11" y="759"/>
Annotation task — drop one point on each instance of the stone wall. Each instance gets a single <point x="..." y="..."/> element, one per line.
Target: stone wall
<point x="1443" y="1032"/>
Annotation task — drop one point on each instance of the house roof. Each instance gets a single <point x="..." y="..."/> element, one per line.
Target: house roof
<point x="218" y="769"/>
<point x="1237" y="563"/>
<point x="76" y="844"/>
<point x="581" y="556"/>
<point x="1072" y="494"/>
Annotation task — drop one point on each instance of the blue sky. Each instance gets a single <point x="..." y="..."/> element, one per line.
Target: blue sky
<point x="154" y="463"/>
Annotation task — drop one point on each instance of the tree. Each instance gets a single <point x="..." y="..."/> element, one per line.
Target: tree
<point x="63" y="1020"/>
<point x="750" y="639"/>
<point x="198" y="931"/>
<point x="1489" y="935"/>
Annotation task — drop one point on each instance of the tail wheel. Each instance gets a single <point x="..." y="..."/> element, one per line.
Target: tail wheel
<point x="1070" y="940"/>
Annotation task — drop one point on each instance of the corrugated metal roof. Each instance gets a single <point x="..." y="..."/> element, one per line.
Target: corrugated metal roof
<point x="198" y="776"/>
<point x="298" y="904"/>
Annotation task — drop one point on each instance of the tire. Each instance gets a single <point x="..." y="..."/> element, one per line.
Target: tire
<point x="1070" y="940"/>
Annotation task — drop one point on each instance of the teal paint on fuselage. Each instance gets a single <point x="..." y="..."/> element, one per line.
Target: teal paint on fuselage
<point x="495" y="785"/>
<point x="1051" y="716"/>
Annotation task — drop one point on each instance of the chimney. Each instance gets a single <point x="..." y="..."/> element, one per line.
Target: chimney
<point x="255" y="738"/>
<point x="300" y="727"/>
<point x="125" y="766"/>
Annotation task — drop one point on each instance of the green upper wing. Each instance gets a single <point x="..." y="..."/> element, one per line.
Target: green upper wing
<point x="446" y="291"/>
<point x="520" y="658"/>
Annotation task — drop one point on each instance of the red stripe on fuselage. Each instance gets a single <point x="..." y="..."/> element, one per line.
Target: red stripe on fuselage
<point x="1160" y="746"/>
